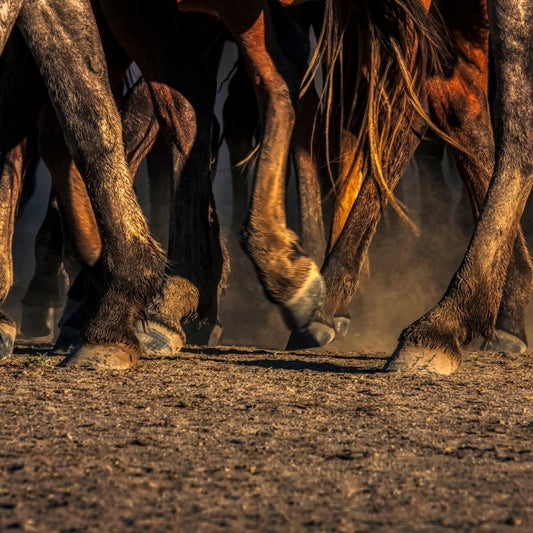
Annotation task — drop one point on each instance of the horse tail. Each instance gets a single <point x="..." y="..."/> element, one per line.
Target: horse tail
<point x="375" y="57"/>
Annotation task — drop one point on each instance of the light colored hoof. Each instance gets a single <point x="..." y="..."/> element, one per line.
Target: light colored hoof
<point x="342" y="325"/>
<point x="300" y="310"/>
<point x="502" y="341"/>
<point x="37" y="323"/>
<point x="8" y="332"/>
<point x="315" y="335"/>
<point x="159" y="340"/>
<point x="415" y="359"/>
<point x="103" y="357"/>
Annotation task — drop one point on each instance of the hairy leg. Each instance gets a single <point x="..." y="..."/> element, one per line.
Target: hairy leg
<point x="92" y="129"/>
<point x="470" y="305"/>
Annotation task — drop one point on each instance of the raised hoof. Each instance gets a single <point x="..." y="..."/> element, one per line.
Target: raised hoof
<point x="300" y="310"/>
<point x="207" y="334"/>
<point x="37" y="322"/>
<point x="8" y="332"/>
<point x="316" y="335"/>
<point x="103" y="357"/>
<point x="415" y="359"/>
<point x="342" y="325"/>
<point x="502" y="341"/>
<point x="67" y="339"/>
<point x="157" y="339"/>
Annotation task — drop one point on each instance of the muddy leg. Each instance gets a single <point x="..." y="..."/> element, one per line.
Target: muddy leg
<point x="470" y="306"/>
<point x="64" y="40"/>
<point x="289" y="277"/>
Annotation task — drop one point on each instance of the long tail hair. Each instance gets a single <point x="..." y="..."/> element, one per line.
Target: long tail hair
<point x="375" y="57"/>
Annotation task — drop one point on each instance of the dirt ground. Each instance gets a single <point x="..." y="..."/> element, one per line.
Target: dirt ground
<point x="237" y="439"/>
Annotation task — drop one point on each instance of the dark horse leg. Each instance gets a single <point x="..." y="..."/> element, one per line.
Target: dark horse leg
<point x="21" y="95"/>
<point x="183" y="89"/>
<point x="471" y="303"/>
<point x="64" y="40"/>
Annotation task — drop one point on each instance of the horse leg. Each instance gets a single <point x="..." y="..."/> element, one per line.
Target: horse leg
<point x="309" y="183"/>
<point x="183" y="90"/>
<point x="20" y="99"/>
<point x="45" y="293"/>
<point x="63" y="38"/>
<point x="290" y="278"/>
<point x="8" y="16"/>
<point x="240" y="125"/>
<point x="471" y="303"/>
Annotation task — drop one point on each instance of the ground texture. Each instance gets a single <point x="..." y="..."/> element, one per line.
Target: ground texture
<point x="235" y="439"/>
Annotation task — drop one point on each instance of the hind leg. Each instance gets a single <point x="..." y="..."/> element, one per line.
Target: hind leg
<point x="92" y="129"/>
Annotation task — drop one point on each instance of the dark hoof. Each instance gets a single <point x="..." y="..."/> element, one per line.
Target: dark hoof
<point x="502" y="341"/>
<point x="158" y="339"/>
<point x="419" y="359"/>
<point x="205" y="334"/>
<point x="8" y="332"/>
<point x="37" y="322"/>
<point x="342" y="325"/>
<point x="103" y="357"/>
<point x="316" y="335"/>
<point x="300" y="310"/>
<point x="67" y="340"/>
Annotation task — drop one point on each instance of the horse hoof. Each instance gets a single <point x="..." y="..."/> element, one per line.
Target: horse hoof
<point x="300" y="310"/>
<point x="342" y="325"/>
<point x="103" y="357"/>
<point x="67" y="340"/>
<point x="207" y="334"/>
<point x="502" y="341"/>
<point x="158" y="339"/>
<point x="414" y="359"/>
<point x="8" y="332"/>
<point x="317" y="334"/>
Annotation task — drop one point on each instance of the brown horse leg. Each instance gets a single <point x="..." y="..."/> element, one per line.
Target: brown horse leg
<point x="470" y="306"/>
<point x="63" y="38"/>
<point x="343" y="264"/>
<point x="312" y="232"/>
<point x="21" y="95"/>
<point x="459" y="105"/>
<point x="183" y="90"/>
<point x="240" y="125"/>
<point x="290" y="278"/>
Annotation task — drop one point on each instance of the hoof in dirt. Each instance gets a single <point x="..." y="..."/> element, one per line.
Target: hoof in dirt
<point x="414" y="359"/>
<point x="67" y="340"/>
<point x="206" y="334"/>
<point x="316" y="335"/>
<point x="342" y="325"/>
<point x="37" y="323"/>
<point x="158" y="339"/>
<point x="8" y="332"/>
<point x="103" y="357"/>
<point x="300" y="310"/>
<point x="502" y="341"/>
